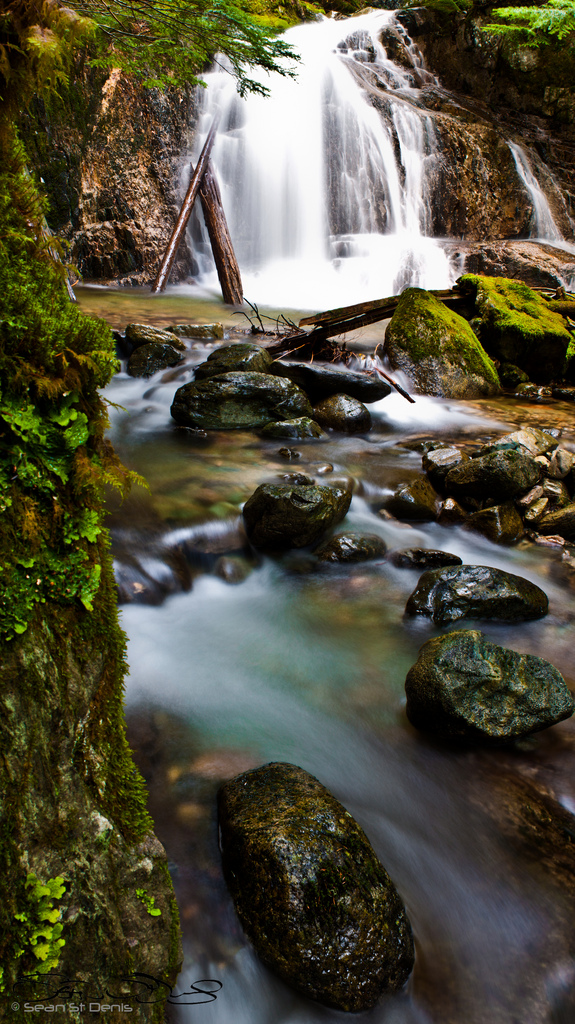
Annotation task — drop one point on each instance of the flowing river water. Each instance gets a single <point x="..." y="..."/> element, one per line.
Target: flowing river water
<point x="295" y="664"/>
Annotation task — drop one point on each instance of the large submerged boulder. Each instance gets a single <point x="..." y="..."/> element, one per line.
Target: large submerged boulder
<point x="293" y="516"/>
<point x="320" y="909"/>
<point x="465" y="687"/>
<point x="476" y="591"/>
<point x="238" y="401"/>
<point x="516" y="325"/>
<point x="437" y="349"/>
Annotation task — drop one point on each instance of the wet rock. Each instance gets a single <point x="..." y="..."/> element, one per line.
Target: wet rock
<point x="499" y="476"/>
<point x="289" y="453"/>
<point x="517" y="326"/>
<point x="339" y="412"/>
<point x="415" y="500"/>
<point x="240" y="357"/>
<point x="298" y="428"/>
<point x="564" y="394"/>
<point x="556" y="493"/>
<point x="532" y="393"/>
<point x="147" y="359"/>
<point x="464" y="687"/>
<point x="439" y="461"/>
<point x="536" y="511"/>
<point x="141" y="334"/>
<point x="437" y="349"/>
<point x="422" y="558"/>
<point x="512" y="376"/>
<point x="534" y="441"/>
<point x="197" y="330"/>
<point x="476" y="591"/>
<point x="318" y="906"/>
<point x="351" y="547"/>
<point x="323" y="381"/>
<point x="500" y="523"/>
<point x="561" y="522"/>
<point x="238" y="401"/>
<point x="561" y="463"/>
<point x="293" y="516"/>
<point x="232" y="570"/>
<point x="451" y="513"/>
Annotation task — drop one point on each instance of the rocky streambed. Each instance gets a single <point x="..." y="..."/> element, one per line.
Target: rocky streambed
<point x="298" y="654"/>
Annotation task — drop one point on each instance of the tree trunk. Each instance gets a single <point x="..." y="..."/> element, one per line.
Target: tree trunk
<point x="222" y="248"/>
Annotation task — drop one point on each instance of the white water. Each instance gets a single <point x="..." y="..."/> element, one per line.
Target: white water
<point x="325" y="197"/>
<point x="543" y="224"/>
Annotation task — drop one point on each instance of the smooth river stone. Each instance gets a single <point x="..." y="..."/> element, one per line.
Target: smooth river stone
<point x="241" y="357"/>
<point x="322" y="381"/>
<point x="238" y="401"/>
<point x="279" y="517"/>
<point x="351" y="547"/>
<point x="464" y="687"/>
<point x="307" y="886"/>
<point x="478" y="592"/>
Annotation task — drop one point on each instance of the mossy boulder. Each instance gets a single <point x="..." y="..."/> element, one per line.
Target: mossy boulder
<point x="240" y="357"/>
<point x="293" y="516"/>
<point x="476" y="591"/>
<point x="516" y="325"/>
<point x="153" y="356"/>
<point x="500" y="523"/>
<point x="298" y="428"/>
<point x="500" y="475"/>
<point x="464" y="687"/>
<point x="437" y="349"/>
<point x="340" y="412"/>
<point x="322" y="381"/>
<point x="415" y="500"/>
<point x="308" y="888"/>
<point x="351" y="547"/>
<point x="423" y="558"/>
<point x="238" y="401"/>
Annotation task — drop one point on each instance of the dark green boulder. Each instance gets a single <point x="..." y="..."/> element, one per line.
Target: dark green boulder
<point x="500" y="523"/>
<point x="437" y="349"/>
<point x="516" y="325"/>
<point x="476" y="591"/>
<point x="279" y="517"/>
<point x="415" y="500"/>
<point x="340" y="412"/>
<point x="464" y="687"/>
<point x="322" y="381"/>
<point x="351" y="547"/>
<point x="240" y="357"/>
<point x="238" y="401"/>
<point x="499" y="475"/>
<point x="319" y="908"/>
<point x="147" y="359"/>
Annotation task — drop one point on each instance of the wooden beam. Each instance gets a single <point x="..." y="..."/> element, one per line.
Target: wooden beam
<point x="222" y="248"/>
<point x="187" y="205"/>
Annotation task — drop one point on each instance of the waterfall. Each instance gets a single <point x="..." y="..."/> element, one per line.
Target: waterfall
<point x="325" y="195"/>
<point x="543" y="225"/>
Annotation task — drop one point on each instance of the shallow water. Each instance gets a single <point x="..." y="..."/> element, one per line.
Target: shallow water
<point x="308" y="667"/>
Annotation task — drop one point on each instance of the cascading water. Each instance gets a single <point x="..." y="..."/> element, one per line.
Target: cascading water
<point x="543" y="223"/>
<point x="324" y="195"/>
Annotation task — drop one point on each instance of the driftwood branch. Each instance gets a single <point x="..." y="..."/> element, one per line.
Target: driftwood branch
<point x="222" y="248"/>
<point x="190" y="198"/>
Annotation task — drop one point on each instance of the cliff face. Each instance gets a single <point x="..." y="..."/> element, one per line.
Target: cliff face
<point x="110" y="159"/>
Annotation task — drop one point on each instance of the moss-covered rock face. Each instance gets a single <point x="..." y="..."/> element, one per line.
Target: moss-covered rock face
<point x="322" y="381"/>
<point x="240" y="357"/>
<point x="465" y="687"/>
<point x="238" y="401"/>
<point x="437" y="349"/>
<point x="309" y="890"/>
<point x="293" y="516"/>
<point x="476" y="591"/>
<point x="351" y="547"/>
<point x="517" y="326"/>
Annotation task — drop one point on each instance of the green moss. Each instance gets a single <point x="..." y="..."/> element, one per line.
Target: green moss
<point x="517" y="325"/>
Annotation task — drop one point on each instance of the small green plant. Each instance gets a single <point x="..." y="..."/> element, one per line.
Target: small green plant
<point x="37" y="927"/>
<point x="535" y="26"/>
<point x="148" y="902"/>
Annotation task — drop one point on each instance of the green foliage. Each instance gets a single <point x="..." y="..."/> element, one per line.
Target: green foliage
<point x="148" y="902"/>
<point x="54" y="459"/>
<point x="37" y="929"/>
<point x="534" y="26"/>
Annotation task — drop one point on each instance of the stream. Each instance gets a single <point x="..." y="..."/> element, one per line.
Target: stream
<point x="294" y="663"/>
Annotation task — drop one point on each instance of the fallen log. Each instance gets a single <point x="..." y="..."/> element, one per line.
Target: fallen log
<point x="187" y="205"/>
<point x="349" y="318"/>
<point x="222" y="248"/>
